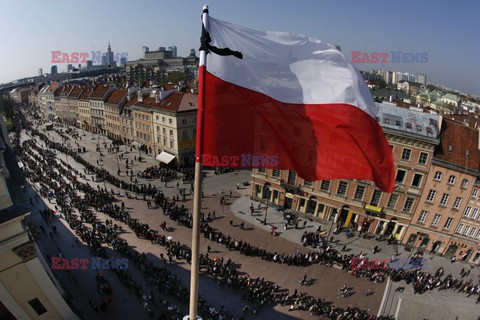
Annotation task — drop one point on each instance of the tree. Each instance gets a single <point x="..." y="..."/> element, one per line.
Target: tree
<point x="175" y="77"/>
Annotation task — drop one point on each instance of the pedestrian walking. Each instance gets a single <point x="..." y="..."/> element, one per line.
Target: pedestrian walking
<point x="231" y="222"/>
<point x="242" y="226"/>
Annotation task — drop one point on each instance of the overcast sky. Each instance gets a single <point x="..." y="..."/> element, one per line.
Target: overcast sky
<point x="448" y="31"/>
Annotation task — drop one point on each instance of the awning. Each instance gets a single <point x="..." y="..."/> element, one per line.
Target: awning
<point x="165" y="157"/>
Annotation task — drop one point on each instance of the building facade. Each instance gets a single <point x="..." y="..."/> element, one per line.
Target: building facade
<point x="443" y="221"/>
<point x="113" y="109"/>
<point x="412" y="135"/>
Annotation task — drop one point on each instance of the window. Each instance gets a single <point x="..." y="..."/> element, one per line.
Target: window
<point x="448" y="223"/>
<point x="436" y="219"/>
<point x="417" y="179"/>
<point x="444" y="200"/>
<point x="438" y="176"/>
<point x="451" y="180"/>
<point x="457" y="202"/>
<point x="459" y="228"/>
<point x="163" y="119"/>
<point x="400" y="176"/>
<point x="171" y="144"/>
<point x="467" y="212"/>
<point x="307" y="184"/>
<point x="475" y="193"/>
<point x="472" y="232"/>
<point x="292" y="177"/>
<point x="423" y="158"/>
<point x="431" y="196"/>
<point x="164" y="131"/>
<point x="171" y="132"/>
<point x="478" y="234"/>
<point x="37" y="306"/>
<point x="169" y="120"/>
<point x="377" y="194"/>
<point x="359" y="193"/>
<point x="475" y="214"/>
<point x="325" y="186"/>
<point x="423" y="216"/>
<point x="262" y="171"/>
<point x="392" y="202"/>
<point x="184" y="134"/>
<point x="406" y="154"/>
<point x="157" y="117"/>
<point x="184" y="121"/>
<point x="276" y="173"/>
<point x="342" y="188"/>
<point x="408" y="205"/>
<point x="465" y="231"/>
<point x="464" y="184"/>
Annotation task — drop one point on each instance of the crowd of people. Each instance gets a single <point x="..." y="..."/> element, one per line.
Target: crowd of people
<point x="57" y="179"/>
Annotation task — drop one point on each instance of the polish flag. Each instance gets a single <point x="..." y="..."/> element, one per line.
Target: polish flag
<point x="293" y="98"/>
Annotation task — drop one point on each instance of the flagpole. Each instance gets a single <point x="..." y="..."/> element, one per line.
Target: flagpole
<point x="194" y="272"/>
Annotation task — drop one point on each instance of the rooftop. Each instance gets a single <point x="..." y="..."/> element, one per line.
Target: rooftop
<point x="408" y="120"/>
<point x="458" y="145"/>
<point x="117" y="96"/>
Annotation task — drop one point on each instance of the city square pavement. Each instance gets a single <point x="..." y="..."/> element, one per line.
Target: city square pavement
<point x="327" y="280"/>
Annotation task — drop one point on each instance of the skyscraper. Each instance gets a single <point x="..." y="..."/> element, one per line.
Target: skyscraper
<point x="109" y="56"/>
<point x="173" y="50"/>
<point x="54" y="69"/>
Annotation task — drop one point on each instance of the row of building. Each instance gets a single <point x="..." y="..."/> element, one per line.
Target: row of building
<point x="156" y="119"/>
<point x="436" y="203"/>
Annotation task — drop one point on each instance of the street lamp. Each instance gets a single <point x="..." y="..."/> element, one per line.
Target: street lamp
<point x="420" y="236"/>
<point x="267" y="193"/>
<point x="332" y="217"/>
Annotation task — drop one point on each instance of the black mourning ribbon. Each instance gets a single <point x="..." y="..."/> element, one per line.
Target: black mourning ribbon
<point x="207" y="47"/>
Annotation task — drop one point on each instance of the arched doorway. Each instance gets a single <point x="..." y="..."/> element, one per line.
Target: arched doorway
<point x="311" y="205"/>
<point x="343" y="214"/>
<point x="436" y="246"/>
<point x="390" y="227"/>
<point x="451" y="250"/>
<point x="266" y="191"/>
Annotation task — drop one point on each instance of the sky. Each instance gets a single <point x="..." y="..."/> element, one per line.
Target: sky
<point x="448" y="31"/>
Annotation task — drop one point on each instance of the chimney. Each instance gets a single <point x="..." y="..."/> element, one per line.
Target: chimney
<point x="140" y="95"/>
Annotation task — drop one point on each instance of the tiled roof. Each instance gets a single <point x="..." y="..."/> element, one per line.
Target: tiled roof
<point x="53" y="87"/>
<point x="458" y="145"/>
<point x="132" y="101"/>
<point x="170" y="103"/>
<point x="100" y="91"/>
<point x="117" y="96"/>
<point x="86" y="93"/>
<point x="75" y="93"/>
<point x="189" y="102"/>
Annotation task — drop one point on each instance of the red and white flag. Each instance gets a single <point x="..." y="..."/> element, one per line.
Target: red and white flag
<point x="290" y="98"/>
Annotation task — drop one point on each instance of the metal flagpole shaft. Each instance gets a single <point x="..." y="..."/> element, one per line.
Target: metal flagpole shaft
<point x="197" y="196"/>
